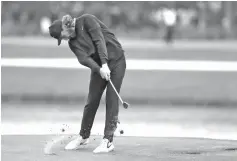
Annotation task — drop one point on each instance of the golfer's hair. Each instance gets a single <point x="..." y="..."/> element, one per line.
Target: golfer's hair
<point x="67" y="20"/>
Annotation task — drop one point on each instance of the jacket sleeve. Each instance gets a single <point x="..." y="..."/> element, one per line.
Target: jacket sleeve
<point x="94" y="30"/>
<point x="84" y="59"/>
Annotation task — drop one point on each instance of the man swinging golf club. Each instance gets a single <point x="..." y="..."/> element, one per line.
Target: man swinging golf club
<point x="96" y="47"/>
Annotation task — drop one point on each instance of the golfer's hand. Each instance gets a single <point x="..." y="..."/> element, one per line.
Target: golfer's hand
<point x="105" y="72"/>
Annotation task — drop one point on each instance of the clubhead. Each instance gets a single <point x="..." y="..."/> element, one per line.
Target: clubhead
<point x="125" y="105"/>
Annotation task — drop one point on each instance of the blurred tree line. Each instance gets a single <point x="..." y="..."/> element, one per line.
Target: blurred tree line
<point x="195" y="19"/>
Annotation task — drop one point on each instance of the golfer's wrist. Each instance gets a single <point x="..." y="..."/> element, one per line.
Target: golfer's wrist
<point x="104" y="65"/>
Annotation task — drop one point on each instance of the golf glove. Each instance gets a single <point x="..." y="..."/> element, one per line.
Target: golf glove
<point x="105" y="72"/>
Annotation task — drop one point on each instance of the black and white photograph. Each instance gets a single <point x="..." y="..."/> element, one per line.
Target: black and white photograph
<point x="119" y="80"/>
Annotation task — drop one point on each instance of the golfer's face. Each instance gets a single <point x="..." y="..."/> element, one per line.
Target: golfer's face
<point x="65" y="35"/>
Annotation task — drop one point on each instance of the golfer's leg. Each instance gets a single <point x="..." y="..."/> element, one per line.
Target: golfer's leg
<point x="96" y="88"/>
<point x="112" y="101"/>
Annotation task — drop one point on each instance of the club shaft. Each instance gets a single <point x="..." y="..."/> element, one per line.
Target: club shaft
<point x="116" y="91"/>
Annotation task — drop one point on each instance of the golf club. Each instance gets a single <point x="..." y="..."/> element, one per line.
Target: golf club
<point x="125" y="104"/>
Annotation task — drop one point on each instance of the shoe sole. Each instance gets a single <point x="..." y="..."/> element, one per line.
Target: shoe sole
<point x="78" y="146"/>
<point x="104" y="152"/>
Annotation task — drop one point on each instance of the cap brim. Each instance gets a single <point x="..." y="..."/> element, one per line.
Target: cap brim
<point x="59" y="41"/>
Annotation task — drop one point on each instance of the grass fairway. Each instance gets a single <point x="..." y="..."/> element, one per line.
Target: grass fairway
<point x="158" y="86"/>
<point x="30" y="148"/>
<point x="139" y="120"/>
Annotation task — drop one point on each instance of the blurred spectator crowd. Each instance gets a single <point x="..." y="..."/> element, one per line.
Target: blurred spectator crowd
<point x="193" y="19"/>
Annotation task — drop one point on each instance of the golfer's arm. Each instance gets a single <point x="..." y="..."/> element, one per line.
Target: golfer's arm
<point x="97" y="37"/>
<point x="85" y="60"/>
<point x="90" y="63"/>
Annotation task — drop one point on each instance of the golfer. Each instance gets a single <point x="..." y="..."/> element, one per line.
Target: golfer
<point x="97" y="48"/>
